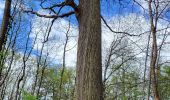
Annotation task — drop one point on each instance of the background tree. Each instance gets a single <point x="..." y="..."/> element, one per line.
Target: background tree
<point x="5" y="23"/>
<point x="4" y="31"/>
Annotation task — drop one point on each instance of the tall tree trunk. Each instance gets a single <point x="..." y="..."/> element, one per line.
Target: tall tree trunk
<point x="5" y="23"/>
<point x="154" y="54"/>
<point x="153" y="68"/>
<point x="89" y="67"/>
<point x="3" y="31"/>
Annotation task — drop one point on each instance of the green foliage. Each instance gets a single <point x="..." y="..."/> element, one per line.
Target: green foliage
<point x="52" y="81"/>
<point x="164" y="83"/>
<point x="27" y="96"/>
<point x="167" y="70"/>
<point x="3" y="55"/>
<point x="124" y="86"/>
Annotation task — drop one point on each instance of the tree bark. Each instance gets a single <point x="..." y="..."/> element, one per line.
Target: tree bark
<point x="5" y="23"/>
<point x="153" y="68"/>
<point x="154" y="51"/>
<point x="3" y="31"/>
<point x="89" y="66"/>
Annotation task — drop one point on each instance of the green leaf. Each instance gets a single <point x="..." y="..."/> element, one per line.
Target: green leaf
<point x="28" y="96"/>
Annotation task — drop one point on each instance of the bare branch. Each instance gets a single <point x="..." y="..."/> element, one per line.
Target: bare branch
<point x="49" y="16"/>
<point x="116" y="31"/>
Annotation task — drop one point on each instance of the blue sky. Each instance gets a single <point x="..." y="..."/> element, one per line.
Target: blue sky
<point x="108" y="10"/>
<point x="1" y="9"/>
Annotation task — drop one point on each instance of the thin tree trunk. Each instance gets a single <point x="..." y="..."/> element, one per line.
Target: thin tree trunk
<point x="89" y="67"/>
<point x="149" y="86"/>
<point x="4" y="29"/>
<point x="5" y="23"/>
<point x="146" y="59"/>
<point x="64" y="61"/>
<point x="153" y="53"/>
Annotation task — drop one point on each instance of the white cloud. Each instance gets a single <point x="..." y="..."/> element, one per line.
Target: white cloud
<point x="57" y="37"/>
<point x="54" y="46"/>
<point x="132" y="23"/>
